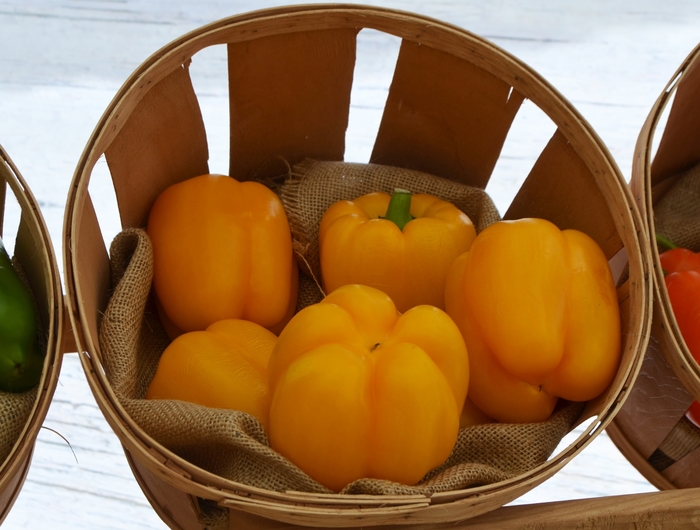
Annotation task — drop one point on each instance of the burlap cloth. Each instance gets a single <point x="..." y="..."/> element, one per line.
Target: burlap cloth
<point x="15" y="409"/>
<point x="233" y="444"/>
<point x="313" y="186"/>
<point x="14" y="413"/>
<point x="677" y="213"/>
<point x="677" y="217"/>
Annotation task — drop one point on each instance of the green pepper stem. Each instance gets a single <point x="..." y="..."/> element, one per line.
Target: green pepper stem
<point x="665" y="243"/>
<point x="399" y="209"/>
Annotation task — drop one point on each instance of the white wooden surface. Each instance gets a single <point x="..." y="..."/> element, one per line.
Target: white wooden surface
<point x="61" y="62"/>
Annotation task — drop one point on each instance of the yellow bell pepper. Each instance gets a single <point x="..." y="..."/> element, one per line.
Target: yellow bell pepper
<point x="223" y="367"/>
<point x="359" y="390"/>
<point x="222" y="249"/>
<point x="539" y="313"/>
<point x="400" y="244"/>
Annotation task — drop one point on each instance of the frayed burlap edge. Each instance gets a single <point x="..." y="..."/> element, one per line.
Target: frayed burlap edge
<point x="677" y="213"/>
<point x="314" y="185"/>
<point x="233" y="445"/>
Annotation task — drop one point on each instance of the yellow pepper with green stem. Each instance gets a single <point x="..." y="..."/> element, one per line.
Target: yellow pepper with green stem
<point x="401" y="244"/>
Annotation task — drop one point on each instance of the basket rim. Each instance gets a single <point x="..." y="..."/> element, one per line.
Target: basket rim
<point x="675" y="349"/>
<point x="17" y="462"/>
<point x="180" y="472"/>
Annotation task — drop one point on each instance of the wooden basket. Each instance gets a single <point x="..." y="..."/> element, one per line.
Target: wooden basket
<point x="291" y="66"/>
<point x="651" y="429"/>
<point x="33" y="249"/>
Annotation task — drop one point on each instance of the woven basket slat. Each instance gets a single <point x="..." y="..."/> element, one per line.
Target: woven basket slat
<point x="3" y="193"/>
<point x="167" y="478"/>
<point x="34" y="252"/>
<point x="653" y="409"/>
<point x="174" y="506"/>
<point x="26" y="250"/>
<point x="679" y="147"/>
<point x="12" y="487"/>
<point x="560" y="188"/>
<point x="648" y="427"/>
<point x="683" y="120"/>
<point x="685" y="470"/>
<point x="444" y="116"/>
<point x="93" y="292"/>
<point x="290" y="96"/>
<point x="162" y="142"/>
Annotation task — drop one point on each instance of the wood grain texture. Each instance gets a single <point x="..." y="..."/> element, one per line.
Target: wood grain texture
<point x="290" y="99"/>
<point x="444" y="116"/>
<point x="141" y="107"/>
<point x="562" y="189"/>
<point x="162" y="142"/>
<point x="679" y="148"/>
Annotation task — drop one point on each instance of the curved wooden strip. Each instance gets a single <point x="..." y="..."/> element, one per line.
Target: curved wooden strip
<point x="93" y="288"/>
<point x="445" y="116"/>
<point x="654" y="405"/>
<point x="162" y="142"/>
<point x="663" y="509"/>
<point x="33" y="249"/>
<point x="451" y="40"/>
<point x="290" y="98"/>
<point x="679" y="148"/>
<point x="562" y="189"/>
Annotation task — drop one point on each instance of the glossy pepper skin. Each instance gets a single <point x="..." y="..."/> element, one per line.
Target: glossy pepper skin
<point x="223" y="367"/>
<point x="359" y="390"/>
<point x="539" y="313"/>
<point x="408" y="262"/>
<point x="21" y="360"/>
<point x="222" y="249"/>
<point x="682" y="279"/>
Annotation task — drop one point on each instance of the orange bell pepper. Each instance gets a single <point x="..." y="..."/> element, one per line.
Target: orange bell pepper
<point x="223" y="367"/>
<point x="400" y="244"/>
<point x="359" y="390"/>
<point x="682" y="279"/>
<point x="222" y="249"/>
<point x="539" y="313"/>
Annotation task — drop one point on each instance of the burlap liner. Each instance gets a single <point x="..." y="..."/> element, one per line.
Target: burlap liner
<point x="677" y="213"/>
<point x="15" y="409"/>
<point x="233" y="444"/>
<point x="677" y="217"/>
<point x="313" y="186"/>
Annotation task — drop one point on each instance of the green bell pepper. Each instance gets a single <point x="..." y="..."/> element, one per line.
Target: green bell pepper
<point x="21" y="358"/>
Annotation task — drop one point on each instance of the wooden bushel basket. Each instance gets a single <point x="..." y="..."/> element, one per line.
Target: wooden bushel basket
<point x="290" y="74"/>
<point x="33" y="249"/>
<point x="651" y="429"/>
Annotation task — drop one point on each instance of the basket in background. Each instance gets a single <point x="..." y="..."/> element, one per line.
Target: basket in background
<point x="450" y="107"/>
<point x="20" y="216"/>
<point x="652" y="430"/>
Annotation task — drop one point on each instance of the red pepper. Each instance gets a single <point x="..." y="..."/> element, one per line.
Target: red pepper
<point x="676" y="259"/>
<point x="682" y="277"/>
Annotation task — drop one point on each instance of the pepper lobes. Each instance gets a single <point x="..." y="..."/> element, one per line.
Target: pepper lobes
<point x="682" y="279"/>
<point x="359" y="390"/>
<point x="539" y="313"/>
<point x="400" y="244"/>
<point x="224" y="366"/>
<point x="21" y="358"/>
<point x="222" y="249"/>
<point x="683" y="289"/>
